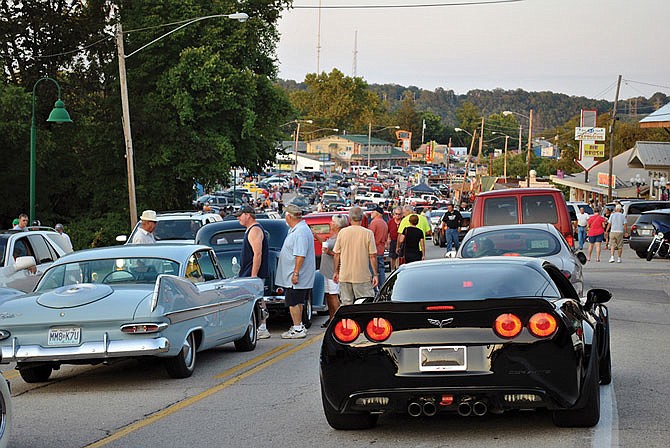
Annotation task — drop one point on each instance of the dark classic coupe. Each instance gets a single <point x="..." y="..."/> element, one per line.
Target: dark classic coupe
<point x="226" y="239"/>
<point x="489" y="335"/>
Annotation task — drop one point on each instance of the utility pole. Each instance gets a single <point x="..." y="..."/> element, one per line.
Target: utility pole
<point x="355" y="67"/>
<point x="318" y="42"/>
<point x="530" y="147"/>
<point x="612" y="121"/>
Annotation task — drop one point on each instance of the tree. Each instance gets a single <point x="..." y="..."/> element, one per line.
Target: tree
<point x="337" y="101"/>
<point x="202" y="100"/>
<point x="468" y="117"/>
<point x="408" y="119"/>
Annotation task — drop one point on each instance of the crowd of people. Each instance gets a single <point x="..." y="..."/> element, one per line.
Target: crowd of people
<point x="609" y="227"/>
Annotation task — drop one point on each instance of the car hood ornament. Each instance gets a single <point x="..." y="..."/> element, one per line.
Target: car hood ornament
<point x="440" y="323"/>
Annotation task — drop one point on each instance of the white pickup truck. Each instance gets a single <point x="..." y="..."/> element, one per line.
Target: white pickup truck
<point x="364" y="170"/>
<point x="375" y="197"/>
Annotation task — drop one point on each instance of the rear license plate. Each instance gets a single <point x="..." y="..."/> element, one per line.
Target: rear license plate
<point x="644" y="231"/>
<point x="64" y="336"/>
<point x="437" y="359"/>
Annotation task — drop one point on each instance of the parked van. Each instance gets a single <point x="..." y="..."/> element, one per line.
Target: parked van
<point x="523" y="206"/>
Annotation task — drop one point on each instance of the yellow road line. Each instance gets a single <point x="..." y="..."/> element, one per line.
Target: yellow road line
<point x="251" y="362"/>
<point x="202" y="395"/>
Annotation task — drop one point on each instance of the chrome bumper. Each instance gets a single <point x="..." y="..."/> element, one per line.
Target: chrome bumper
<point x="87" y="350"/>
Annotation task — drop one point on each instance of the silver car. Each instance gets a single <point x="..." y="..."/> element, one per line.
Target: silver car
<point x="526" y="240"/>
<point x="164" y="300"/>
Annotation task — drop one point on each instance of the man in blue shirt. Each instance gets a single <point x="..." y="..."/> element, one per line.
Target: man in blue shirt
<point x="296" y="269"/>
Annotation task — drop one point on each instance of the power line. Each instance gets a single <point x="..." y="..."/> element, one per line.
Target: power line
<point x="647" y="84"/>
<point x="74" y="51"/>
<point x="424" y="5"/>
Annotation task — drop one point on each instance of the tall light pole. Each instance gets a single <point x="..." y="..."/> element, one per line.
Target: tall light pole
<point x="370" y="136"/>
<point x="57" y="115"/>
<point x="125" y="110"/>
<point x="507" y="137"/>
<point x="530" y="140"/>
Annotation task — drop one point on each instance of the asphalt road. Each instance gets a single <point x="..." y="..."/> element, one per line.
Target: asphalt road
<point x="270" y="397"/>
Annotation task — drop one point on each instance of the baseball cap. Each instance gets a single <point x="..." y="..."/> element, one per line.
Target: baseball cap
<point x="246" y="209"/>
<point x="379" y="210"/>
<point x="293" y="210"/>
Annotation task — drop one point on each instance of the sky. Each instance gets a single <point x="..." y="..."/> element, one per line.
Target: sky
<point x="576" y="47"/>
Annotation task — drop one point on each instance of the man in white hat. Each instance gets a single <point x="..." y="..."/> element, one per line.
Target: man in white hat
<point x="145" y="234"/>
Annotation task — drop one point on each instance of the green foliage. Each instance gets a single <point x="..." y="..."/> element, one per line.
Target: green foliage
<point x="337" y="101"/>
<point x="408" y="119"/>
<point x="202" y="99"/>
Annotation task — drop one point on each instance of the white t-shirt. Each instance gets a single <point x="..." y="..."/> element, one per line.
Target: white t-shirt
<point x="582" y="219"/>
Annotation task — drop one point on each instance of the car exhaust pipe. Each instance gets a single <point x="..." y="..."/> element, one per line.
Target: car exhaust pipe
<point x="429" y="408"/>
<point x="480" y="408"/>
<point x="464" y="408"/>
<point x="414" y="409"/>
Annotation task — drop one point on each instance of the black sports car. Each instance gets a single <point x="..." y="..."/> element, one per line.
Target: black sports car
<point x="489" y="335"/>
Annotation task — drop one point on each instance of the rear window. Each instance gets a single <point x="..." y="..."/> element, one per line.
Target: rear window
<point x="467" y="281"/>
<point x="648" y="218"/>
<point x="639" y="207"/>
<point x="499" y="211"/>
<point x="524" y="242"/>
<point x="539" y="209"/>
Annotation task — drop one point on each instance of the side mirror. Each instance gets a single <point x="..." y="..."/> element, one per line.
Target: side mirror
<point x="121" y="238"/>
<point x="23" y="263"/>
<point x="581" y="257"/>
<point x="235" y="266"/>
<point x="597" y="295"/>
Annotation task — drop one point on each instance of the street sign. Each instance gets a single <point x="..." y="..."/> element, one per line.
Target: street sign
<point x="604" y="180"/>
<point x="587" y="120"/>
<point x="589" y="133"/>
<point x="593" y="149"/>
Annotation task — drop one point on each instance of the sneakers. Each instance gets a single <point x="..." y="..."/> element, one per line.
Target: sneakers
<point x="263" y="333"/>
<point x="611" y="259"/>
<point x="618" y="260"/>
<point x="295" y="333"/>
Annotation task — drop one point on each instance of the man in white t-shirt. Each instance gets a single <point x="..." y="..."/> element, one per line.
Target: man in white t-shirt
<point x="582" y="221"/>
<point x="617" y="228"/>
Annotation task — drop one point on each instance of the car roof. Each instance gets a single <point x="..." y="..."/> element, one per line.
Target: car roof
<point x="662" y="211"/>
<point x="514" y="227"/>
<point x="177" y="252"/>
<point x="518" y="191"/>
<point x="537" y="263"/>
<point x="277" y="228"/>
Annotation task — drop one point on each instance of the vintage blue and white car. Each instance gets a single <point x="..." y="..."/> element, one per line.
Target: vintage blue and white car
<point x="98" y="305"/>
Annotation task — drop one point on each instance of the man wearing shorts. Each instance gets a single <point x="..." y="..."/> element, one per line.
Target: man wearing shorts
<point x="617" y="228"/>
<point x="338" y="222"/>
<point x="355" y="256"/>
<point x="296" y="269"/>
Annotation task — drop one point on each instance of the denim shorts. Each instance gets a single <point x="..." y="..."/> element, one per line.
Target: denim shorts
<point x="597" y="238"/>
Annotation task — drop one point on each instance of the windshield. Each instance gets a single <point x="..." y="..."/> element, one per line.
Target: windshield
<point x="113" y="270"/>
<point x="466" y="281"/>
<point x="525" y="242"/>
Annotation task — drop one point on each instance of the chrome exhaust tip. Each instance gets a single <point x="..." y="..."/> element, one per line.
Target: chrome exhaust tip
<point x="414" y="409"/>
<point x="480" y="408"/>
<point x="464" y="408"/>
<point x="429" y="408"/>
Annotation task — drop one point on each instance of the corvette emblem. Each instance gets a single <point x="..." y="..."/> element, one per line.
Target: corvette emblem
<point x="440" y="323"/>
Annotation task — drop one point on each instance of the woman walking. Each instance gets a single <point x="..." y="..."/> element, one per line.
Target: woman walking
<point x="327" y="267"/>
<point x="411" y="241"/>
<point x="595" y="230"/>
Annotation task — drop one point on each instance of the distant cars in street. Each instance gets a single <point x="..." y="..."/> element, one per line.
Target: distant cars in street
<point x="176" y="226"/>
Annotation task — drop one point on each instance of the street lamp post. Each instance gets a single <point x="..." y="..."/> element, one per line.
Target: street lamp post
<point x="507" y="137"/>
<point x="370" y="136"/>
<point x="530" y="140"/>
<point x="660" y="186"/>
<point x="125" y="110"/>
<point x="638" y="182"/>
<point x="57" y="115"/>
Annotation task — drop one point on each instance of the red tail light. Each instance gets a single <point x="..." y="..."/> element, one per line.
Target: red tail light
<point x="633" y="228"/>
<point x="378" y="329"/>
<point x="346" y="330"/>
<point x="439" y="308"/>
<point x="143" y="328"/>
<point x="566" y="274"/>
<point x="542" y="325"/>
<point x="570" y="239"/>
<point x="507" y="325"/>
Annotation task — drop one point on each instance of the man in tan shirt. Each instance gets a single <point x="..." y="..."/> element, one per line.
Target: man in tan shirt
<point x="355" y="255"/>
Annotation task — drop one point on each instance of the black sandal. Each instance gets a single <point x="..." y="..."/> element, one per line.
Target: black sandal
<point x="325" y="324"/>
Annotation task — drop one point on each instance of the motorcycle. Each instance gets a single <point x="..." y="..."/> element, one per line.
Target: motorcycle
<point x="660" y="243"/>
